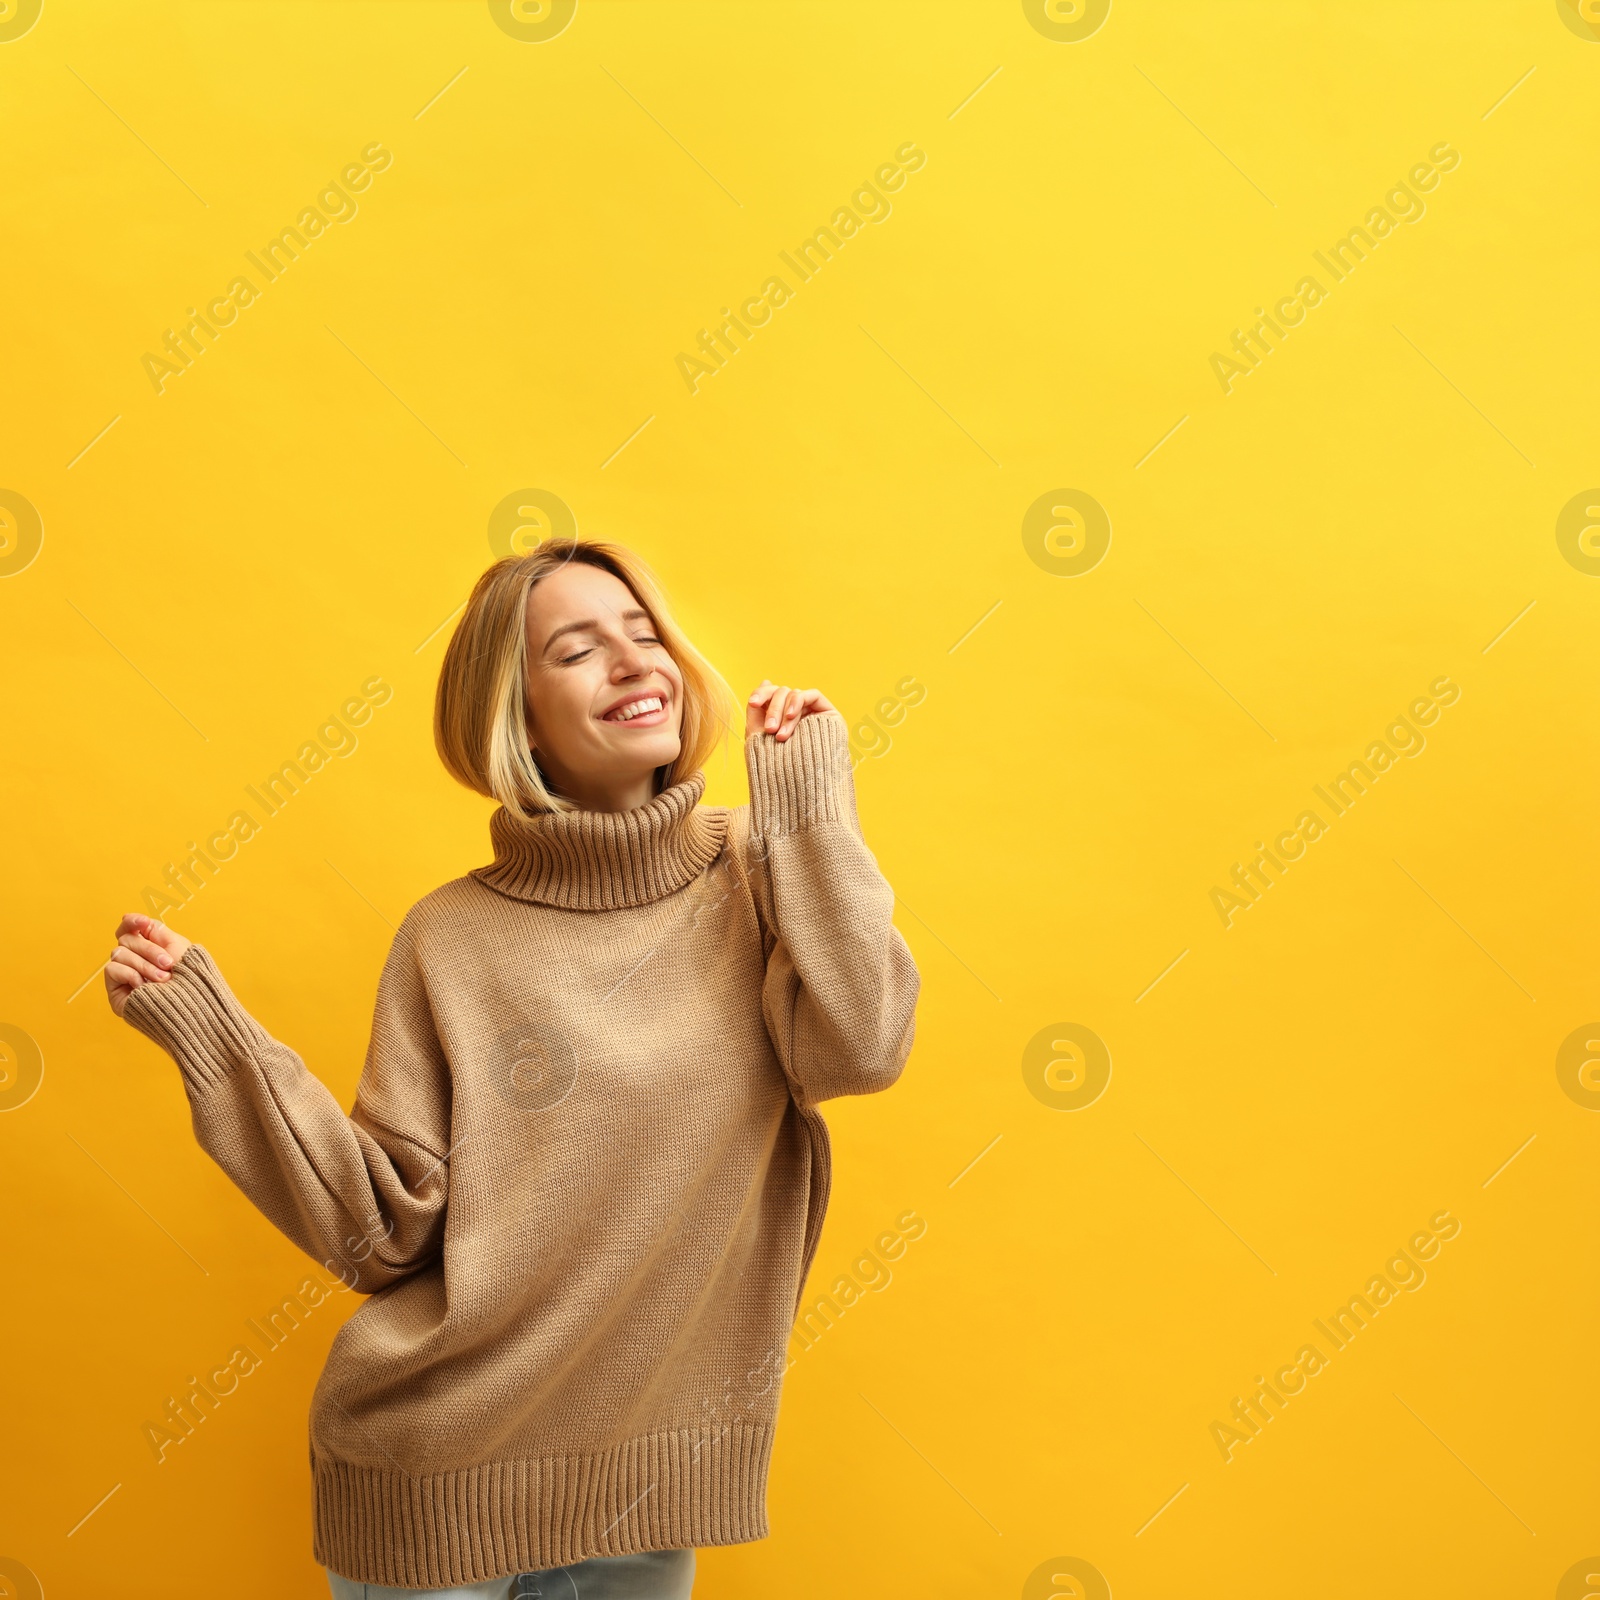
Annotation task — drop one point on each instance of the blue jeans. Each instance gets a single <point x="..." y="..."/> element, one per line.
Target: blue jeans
<point x="653" y="1575"/>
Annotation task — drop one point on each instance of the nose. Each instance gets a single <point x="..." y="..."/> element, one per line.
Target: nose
<point x="631" y="660"/>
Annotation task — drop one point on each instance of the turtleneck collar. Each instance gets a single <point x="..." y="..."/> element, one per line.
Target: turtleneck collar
<point x="601" y="860"/>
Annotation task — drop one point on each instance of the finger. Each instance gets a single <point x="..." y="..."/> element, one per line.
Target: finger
<point x="762" y="691"/>
<point x="775" y="707"/>
<point x="792" y="712"/>
<point x="150" y="951"/>
<point x="120" y="976"/>
<point x="159" y="933"/>
<point x="147" y="970"/>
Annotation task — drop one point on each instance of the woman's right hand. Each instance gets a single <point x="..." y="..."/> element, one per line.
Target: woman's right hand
<point x="146" y="952"/>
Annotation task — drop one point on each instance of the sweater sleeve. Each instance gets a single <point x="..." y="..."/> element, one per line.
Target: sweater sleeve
<point x="365" y="1193"/>
<point x="840" y="992"/>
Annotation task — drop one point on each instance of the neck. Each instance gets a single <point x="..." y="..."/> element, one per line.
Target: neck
<point x="596" y="793"/>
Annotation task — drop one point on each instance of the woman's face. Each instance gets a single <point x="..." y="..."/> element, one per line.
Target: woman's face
<point x="605" y="700"/>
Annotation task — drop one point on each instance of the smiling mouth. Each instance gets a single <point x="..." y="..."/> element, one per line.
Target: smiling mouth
<point x="644" y="711"/>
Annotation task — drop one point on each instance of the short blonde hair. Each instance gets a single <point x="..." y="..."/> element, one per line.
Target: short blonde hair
<point x="479" y="714"/>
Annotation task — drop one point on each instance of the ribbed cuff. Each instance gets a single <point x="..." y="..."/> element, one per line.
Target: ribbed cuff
<point x="803" y="781"/>
<point x="194" y="1017"/>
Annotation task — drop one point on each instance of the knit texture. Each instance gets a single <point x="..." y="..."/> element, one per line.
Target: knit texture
<point x="584" y="1175"/>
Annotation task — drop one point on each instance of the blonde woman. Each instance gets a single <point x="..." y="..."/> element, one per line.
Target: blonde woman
<point x="585" y="1172"/>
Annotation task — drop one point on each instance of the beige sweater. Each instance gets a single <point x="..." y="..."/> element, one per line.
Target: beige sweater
<point x="584" y="1175"/>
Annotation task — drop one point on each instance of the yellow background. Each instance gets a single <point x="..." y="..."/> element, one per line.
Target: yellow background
<point x="838" y="506"/>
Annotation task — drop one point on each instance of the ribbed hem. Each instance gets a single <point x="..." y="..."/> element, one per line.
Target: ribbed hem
<point x="677" y="1490"/>
<point x="601" y="860"/>
<point x="194" y="1017"/>
<point x="802" y="781"/>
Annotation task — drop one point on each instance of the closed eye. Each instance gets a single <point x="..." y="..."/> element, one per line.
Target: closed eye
<point x="578" y="655"/>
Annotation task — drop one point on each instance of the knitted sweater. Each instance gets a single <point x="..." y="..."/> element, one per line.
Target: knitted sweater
<point x="584" y="1175"/>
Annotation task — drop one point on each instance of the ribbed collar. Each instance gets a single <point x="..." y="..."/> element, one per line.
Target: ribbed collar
<point x="601" y="860"/>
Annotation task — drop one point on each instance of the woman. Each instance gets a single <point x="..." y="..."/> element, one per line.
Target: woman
<point x="585" y="1173"/>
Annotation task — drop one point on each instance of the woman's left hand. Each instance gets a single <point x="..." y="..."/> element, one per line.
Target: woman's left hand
<point x="774" y="708"/>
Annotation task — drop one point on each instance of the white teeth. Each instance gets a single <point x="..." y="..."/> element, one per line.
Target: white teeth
<point x="636" y="708"/>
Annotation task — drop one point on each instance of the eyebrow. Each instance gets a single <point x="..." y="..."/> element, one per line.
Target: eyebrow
<point x="632" y="615"/>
